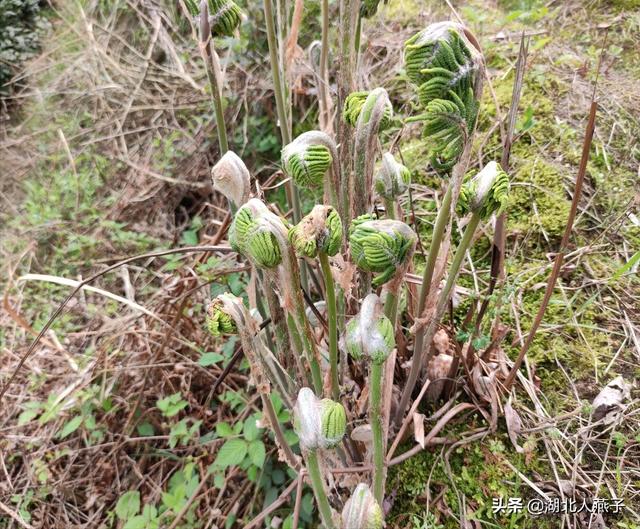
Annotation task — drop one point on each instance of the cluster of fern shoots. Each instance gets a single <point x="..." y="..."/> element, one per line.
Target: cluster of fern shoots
<point x="355" y="257"/>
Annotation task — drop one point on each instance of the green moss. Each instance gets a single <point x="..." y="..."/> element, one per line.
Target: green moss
<point x="478" y="473"/>
<point x="538" y="204"/>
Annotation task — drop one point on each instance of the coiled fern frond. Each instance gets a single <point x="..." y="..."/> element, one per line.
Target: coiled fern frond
<point x="437" y="49"/>
<point x="380" y="246"/>
<point x="218" y="320"/>
<point x="253" y="238"/>
<point x="392" y="179"/>
<point x="319" y="231"/>
<point x="486" y="193"/>
<point x="307" y="159"/>
<point x="319" y="423"/>
<point x="358" y="103"/>
<point x="361" y="511"/>
<point x="224" y="17"/>
<point x="370" y="334"/>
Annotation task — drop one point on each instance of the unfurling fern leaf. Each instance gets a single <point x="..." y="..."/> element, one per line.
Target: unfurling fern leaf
<point x="486" y="193"/>
<point x="360" y="102"/>
<point x="224" y="17"/>
<point x="438" y="48"/>
<point x="447" y="124"/>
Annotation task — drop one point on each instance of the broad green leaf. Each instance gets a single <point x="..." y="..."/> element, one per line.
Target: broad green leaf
<point x="257" y="452"/>
<point x="224" y="430"/>
<point x="231" y="453"/>
<point x="277" y="477"/>
<point x="128" y="505"/>
<point x="137" y="522"/>
<point x="209" y="359"/>
<point x="70" y="427"/>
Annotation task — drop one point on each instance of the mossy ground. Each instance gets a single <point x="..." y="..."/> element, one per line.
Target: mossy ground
<point x="581" y="331"/>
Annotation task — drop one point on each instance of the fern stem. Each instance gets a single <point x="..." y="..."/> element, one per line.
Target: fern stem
<point x="317" y="483"/>
<point x="279" y="92"/>
<point x="436" y="240"/>
<point x="332" y="316"/>
<point x="375" y="415"/>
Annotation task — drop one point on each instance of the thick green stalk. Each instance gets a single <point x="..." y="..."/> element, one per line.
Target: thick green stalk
<point x="279" y="91"/>
<point x="424" y="359"/>
<point x="390" y="208"/>
<point x="302" y="349"/>
<point x="358" y="36"/>
<point x="391" y="306"/>
<point x="332" y="317"/>
<point x="438" y="232"/>
<point x="317" y="483"/>
<point x="375" y="415"/>
<point x="216" y="96"/>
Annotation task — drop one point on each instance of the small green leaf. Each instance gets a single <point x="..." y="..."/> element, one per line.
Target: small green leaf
<point x="172" y="405"/>
<point x="250" y="429"/>
<point x="26" y="416"/>
<point x="257" y="452"/>
<point x="145" y="429"/>
<point x="128" y="505"/>
<point x="209" y="359"/>
<point x="231" y="453"/>
<point x="70" y="427"/>
<point x="190" y="237"/>
<point x="277" y="477"/>
<point x="224" y="430"/>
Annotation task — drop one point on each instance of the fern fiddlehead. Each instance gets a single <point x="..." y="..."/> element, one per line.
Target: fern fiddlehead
<point x="356" y="103"/>
<point x="319" y="424"/>
<point x="371" y="335"/>
<point x="392" y="179"/>
<point x="440" y="50"/>
<point x="362" y="511"/>
<point x="261" y="236"/>
<point x="318" y="232"/>
<point x="370" y="119"/>
<point x="231" y="177"/>
<point x="250" y="235"/>
<point x="227" y="314"/>
<point x="448" y="124"/>
<point x="307" y="160"/>
<point x="486" y="193"/>
<point x="224" y="17"/>
<point x="380" y="246"/>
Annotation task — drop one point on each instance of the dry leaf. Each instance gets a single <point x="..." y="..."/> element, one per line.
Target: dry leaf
<point x="514" y="425"/>
<point x="610" y="401"/>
